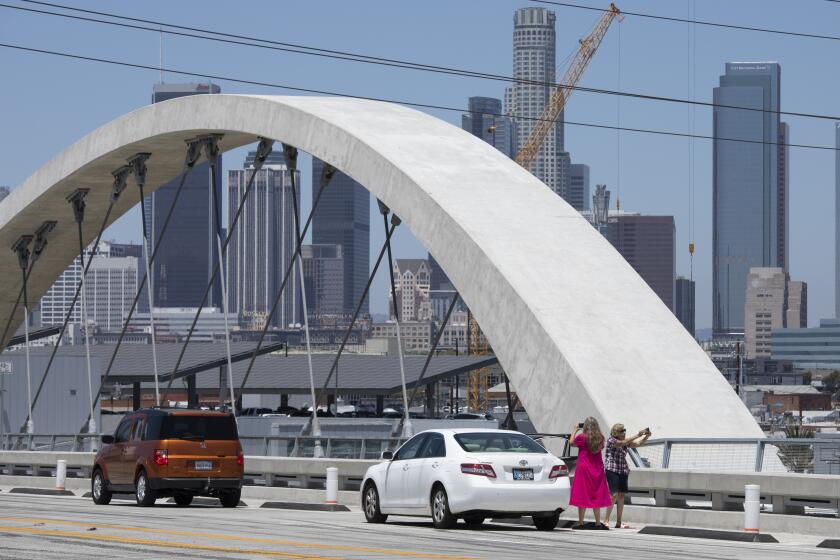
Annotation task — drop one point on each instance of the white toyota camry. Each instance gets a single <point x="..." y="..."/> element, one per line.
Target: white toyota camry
<point x="471" y="474"/>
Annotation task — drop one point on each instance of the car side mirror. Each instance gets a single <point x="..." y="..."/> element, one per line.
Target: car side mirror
<point x="387" y="455"/>
<point x="107" y="440"/>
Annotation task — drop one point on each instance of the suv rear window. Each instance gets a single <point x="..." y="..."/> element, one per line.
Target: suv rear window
<point x="198" y="427"/>
<point x="498" y="442"/>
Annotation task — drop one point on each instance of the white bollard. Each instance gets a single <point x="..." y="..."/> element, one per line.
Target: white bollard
<point x="332" y="485"/>
<point x="752" y="506"/>
<point x="60" y="474"/>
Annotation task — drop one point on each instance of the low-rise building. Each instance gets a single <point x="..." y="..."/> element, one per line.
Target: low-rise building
<point x="811" y="348"/>
<point x="416" y="335"/>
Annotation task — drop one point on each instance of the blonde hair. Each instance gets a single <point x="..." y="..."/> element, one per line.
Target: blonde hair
<point x="615" y="429"/>
<point x="594" y="437"/>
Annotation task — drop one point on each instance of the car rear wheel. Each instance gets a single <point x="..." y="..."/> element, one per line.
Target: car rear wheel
<point x="441" y="515"/>
<point x="144" y="495"/>
<point x="370" y="503"/>
<point x="230" y="499"/>
<point x="473" y="521"/>
<point x="99" y="489"/>
<point x="547" y="523"/>
<point x="182" y="499"/>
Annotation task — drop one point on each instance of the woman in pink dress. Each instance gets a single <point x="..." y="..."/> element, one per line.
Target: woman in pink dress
<point x="589" y="486"/>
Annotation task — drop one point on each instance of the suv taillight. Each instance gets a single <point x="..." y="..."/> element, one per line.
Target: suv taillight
<point x="557" y="471"/>
<point x="478" y="469"/>
<point x="240" y="459"/>
<point x="161" y="457"/>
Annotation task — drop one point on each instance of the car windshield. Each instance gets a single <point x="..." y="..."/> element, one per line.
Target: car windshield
<point x="498" y="442"/>
<point x="198" y="427"/>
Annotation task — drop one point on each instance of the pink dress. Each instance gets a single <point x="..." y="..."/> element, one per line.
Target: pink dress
<point x="589" y="486"/>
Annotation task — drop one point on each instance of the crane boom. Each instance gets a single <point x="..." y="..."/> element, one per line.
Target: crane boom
<point x="588" y="46"/>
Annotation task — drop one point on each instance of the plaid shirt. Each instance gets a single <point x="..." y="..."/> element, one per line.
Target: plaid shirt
<point x="616" y="458"/>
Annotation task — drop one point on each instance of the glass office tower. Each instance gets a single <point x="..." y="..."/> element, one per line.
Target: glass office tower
<point x="749" y="186"/>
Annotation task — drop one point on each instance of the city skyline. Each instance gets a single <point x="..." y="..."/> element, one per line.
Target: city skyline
<point x="662" y="193"/>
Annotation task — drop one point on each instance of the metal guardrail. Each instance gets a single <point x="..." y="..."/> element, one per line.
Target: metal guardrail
<point x="49" y="442"/>
<point x="341" y="447"/>
<point x="771" y="455"/>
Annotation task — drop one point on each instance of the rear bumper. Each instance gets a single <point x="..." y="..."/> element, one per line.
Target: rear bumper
<point x="503" y="497"/>
<point x="196" y="484"/>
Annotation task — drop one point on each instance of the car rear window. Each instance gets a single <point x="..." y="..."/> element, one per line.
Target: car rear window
<point x="199" y="427"/>
<point x="498" y="442"/>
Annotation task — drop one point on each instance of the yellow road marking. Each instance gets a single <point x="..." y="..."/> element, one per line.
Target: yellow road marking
<point x="150" y="542"/>
<point x="261" y="540"/>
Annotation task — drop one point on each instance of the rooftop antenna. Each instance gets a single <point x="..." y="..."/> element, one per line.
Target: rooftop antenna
<point x="160" y="28"/>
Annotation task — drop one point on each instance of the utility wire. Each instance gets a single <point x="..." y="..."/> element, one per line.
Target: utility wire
<point x="204" y="75"/>
<point x="378" y="61"/>
<point x="695" y="21"/>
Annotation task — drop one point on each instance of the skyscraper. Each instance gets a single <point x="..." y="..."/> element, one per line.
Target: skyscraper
<point x="578" y="192"/>
<point x="684" y="302"/>
<point x="412" y="280"/>
<point x="534" y="60"/>
<point x="110" y="286"/>
<point x="262" y="244"/>
<point x="484" y="120"/>
<point x="188" y="253"/>
<point x="323" y="271"/>
<point x="837" y="221"/>
<point x="796" y="314"/>
<point x="749" y="186"/>
<point x="764" y="308"/>
<point x="648" y="244"/>
<point x="4" y="192"/>
<point x="343" y="218"/>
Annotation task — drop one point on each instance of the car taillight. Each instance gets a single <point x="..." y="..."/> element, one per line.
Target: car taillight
<point x="478" y="469"/>
<point x="557" y="471"/>
<point x="161" y="457"/>
<point x="240" y="459"/>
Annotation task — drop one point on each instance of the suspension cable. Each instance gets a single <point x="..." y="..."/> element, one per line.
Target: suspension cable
<point x="150" y="279"/>
<point x="325" y="179"/>
<point x="211" y="152"/>
<point x="291" y="154"/>
<point x="77" y="200"/>
<point x="119" y="185"/>
<point x="189" y="162"/>
<point x="21" y="248"/>
<point x="406" y="423"/>
<point x="263" y="151"/>
<point x="394" y="223"/>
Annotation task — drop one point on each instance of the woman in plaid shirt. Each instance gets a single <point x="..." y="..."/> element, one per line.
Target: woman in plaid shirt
<point x="615" y="464"/>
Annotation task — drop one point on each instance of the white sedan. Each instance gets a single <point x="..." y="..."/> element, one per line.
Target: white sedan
<point x="471" y="474"/>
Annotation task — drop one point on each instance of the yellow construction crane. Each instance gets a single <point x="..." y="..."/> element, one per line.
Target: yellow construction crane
<point x="588" y="46"/>
<point x="477" y="393"/>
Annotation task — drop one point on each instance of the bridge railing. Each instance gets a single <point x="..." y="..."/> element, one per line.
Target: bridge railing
<point x="48" y="442"/>
<point x="769" y="455"/>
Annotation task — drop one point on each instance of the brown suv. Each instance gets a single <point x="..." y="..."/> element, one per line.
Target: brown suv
<point x="157" y="453"/>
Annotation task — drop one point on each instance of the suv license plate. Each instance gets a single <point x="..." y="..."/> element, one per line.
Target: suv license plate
<point x="523" y="474"/>
<point x="208" y="466"/>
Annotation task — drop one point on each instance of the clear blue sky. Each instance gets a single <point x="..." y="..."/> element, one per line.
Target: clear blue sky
<point x="46" y="103"/>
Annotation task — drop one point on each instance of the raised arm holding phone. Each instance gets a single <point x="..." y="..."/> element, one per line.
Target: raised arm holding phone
<point x="617" y="469"/>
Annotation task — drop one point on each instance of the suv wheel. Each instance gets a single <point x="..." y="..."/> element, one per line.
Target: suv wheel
<point x="99" y="489"/>
<point x="144" y="495"/>
<point x="182" y="499"/>
<point x="441" y="515"/>
<point x="230" y="499"/>
<point x="370" y="504"/>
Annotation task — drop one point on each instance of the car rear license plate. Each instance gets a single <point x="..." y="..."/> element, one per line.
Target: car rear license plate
<point x="204" y="465"/>
<point x="523" y="474"/>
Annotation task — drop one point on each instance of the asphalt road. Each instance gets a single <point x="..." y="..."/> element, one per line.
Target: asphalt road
<point x="70" y="527"/>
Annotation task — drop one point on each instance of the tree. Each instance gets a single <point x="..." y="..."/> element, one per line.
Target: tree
<point x="831" y="382"/>
<point x="797" y="457"/>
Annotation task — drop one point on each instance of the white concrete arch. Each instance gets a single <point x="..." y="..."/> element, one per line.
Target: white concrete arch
<point x="577" y="330"/>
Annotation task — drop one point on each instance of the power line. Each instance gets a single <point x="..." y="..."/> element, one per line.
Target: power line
<point x="293" y="48"/>
<point x="204" y="75"/>
<point x="697" y="21"/>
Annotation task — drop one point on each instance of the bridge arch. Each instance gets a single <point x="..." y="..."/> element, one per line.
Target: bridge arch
<point x="577" y="330"/>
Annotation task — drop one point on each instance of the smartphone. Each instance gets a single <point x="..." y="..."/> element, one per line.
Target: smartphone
<point x="580" y="425"/>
